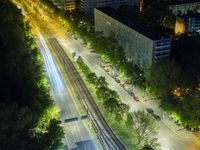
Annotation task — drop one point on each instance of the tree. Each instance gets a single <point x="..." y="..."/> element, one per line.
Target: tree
<point x="121" y="111"/>
<point x="15" y="121"/>
<point x="186" y="53"/>
<point x="52" y="138"/>
<point x="123" y="108"/>
<point x="105" y="93"/>
<point x="144" y="127"/>
<point x="24" y="90"/>
<point x="111" y="105"/>
<point x="147" y="147"/>
<point x="189" y="111"/>
<point x="92" y="77"/>
<point x="86" y="71"/>
<point x="113" y="94"/>
<point x="162" y="77"/>
<point x="101" y="81"/>
<point x="102" y="92"/>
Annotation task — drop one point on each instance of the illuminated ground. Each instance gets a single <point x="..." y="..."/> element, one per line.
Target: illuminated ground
<point x="76" y="134"/>
<point x="169" y="136"/>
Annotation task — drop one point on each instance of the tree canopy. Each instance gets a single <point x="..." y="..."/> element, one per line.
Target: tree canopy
<point x="26" y="106"/>
<point x="144" y="127"/>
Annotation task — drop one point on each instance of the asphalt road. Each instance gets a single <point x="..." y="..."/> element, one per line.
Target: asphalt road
<point x="169" y="137"/>
<point x="77" y="136"/>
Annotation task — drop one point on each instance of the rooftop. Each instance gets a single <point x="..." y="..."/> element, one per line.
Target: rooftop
<point x="141" y="28"/>
<point x="181" y="2"/>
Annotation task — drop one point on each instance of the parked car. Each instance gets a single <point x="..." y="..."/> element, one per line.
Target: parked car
<point x="157" y="117"/>
<point x="117" y="80"/>
<point x="130" y="93"/>
<point x="149" y="110"/>
<point x="136" y="98"/>
<point x="73" y="54"/>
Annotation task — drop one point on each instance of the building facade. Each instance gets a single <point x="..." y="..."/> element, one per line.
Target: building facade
<point x="187" y="24"/>
<point x="88" y="5"/>
<point x="182" y="7"/>
<point x="142" y="46"/>
<point x="70" y="4"/>
<point x="65" y="4"/>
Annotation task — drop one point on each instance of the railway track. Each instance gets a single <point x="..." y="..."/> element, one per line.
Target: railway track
<point x="107" y="138"/>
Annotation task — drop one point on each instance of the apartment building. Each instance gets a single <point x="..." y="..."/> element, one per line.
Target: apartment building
<point x="187" y="24"/>
<point x="142" y="45"/>
<point x="65" y="4"/>
<point x="88" y="5"/>
<point x="70" y="4"/>
<point x="183" y="6"/>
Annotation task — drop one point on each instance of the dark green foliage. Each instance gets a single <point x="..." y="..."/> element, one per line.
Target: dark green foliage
<point x="190" y="110"/>
<point x="86" y="71"/>
<point x="147" y="147"/>
<point x="109" y="98"/>
<point x="162" y="77"/>
<point x="101" y="82"/>
<point x="144" y="127"/>
<point x="184" y="72"/>
<point x="50" y="141"/>
<point x="24" y="92"/>
<point x="109" y="46"/>
<point x="15" y="122"/>
<point x="111" y="104"/>
<point x="92" y="77"/>
<point x="187" y="109"/>
<point x="135" y="74"/>
<point x="186" y="52"/>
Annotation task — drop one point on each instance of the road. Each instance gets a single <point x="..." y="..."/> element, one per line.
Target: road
<point x="169" y="137"/>
<point x="77" y="136"/>
<point x="106" y="136"/>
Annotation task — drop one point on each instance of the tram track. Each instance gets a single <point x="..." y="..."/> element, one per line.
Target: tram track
<point x="107" y="137"/>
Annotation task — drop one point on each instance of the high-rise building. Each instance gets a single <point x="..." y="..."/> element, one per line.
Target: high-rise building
<point x="65" y="4"/>
<point x="142" y="45"/>
<point x="183" y="6"/>
<point x="176" y="6"/>
<point x="88" y="5"/>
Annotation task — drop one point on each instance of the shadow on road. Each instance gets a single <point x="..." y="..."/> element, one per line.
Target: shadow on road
<point x="82" y="145"/>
